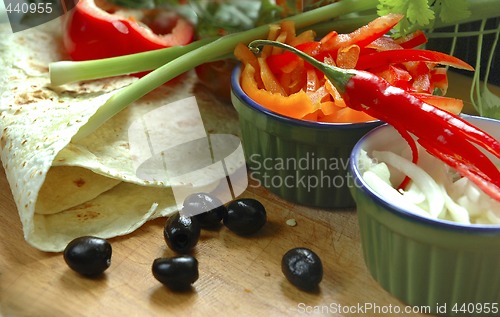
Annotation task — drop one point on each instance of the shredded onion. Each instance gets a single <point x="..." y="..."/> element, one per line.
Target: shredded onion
<point x="435" y="191"/>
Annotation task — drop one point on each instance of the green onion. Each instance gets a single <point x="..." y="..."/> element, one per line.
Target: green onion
<point x="217" y="49"/>
<point x="68" y="71"/>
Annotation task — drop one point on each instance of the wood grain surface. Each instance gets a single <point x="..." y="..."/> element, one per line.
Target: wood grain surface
<point x="238" y="276"/>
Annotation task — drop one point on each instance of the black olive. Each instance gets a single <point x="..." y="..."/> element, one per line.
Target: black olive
<point x="178" y="273"/>
<point x="89" y="256"/>
<point x="181" y="233"/>
<point x="245" y="216"/>
<point x="303" y="268"/>
<point x="206" y="208"/>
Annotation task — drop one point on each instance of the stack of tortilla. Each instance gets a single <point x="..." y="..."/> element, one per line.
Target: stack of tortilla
<point x="66" y="189"/>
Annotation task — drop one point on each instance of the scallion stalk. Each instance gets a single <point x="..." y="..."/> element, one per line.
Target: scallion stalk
<point x="64" y="72"/>
<point x="212" y="51"/>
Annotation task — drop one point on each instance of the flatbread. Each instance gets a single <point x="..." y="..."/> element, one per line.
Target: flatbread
<point x="66" y="189"/>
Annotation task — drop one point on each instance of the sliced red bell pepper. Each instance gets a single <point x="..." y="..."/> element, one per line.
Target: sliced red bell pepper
<point x="449" y="104"/>
<point x="383" y="43"/>
<point x="439" y="80"/>
<point x="443" y="134"/>
<point x="396" y="75"/>
<point x="409" y="55"/>
<point x="412" y="40"/>
<point x="90" y="32"/>
<point x="287" y="61"/>
<point x="363" y="35"/>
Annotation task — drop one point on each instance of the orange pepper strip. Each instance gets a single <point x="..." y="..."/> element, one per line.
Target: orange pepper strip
<point x="347" y="115"/>
<point x="312" y="80"/>
<point x="295" y="105"/>
<point x="339" y="101"/>
<point x="449" y="104"/>
<point x="347" y="57"/>
<point x="297" y="79"/>
<point x="286" y="35"/>
<point x="274" y="31"/>
<point x="318" y="97"/>
<point x="328" y="107"/>
<point x="270" y="82"/>
<point x="245" y="56"/>
<point x="304" y="37"/>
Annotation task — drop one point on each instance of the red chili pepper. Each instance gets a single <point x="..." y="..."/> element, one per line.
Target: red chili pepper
<point x="443" y="134"/>
<point x="409" y="55"/>
<point x="91" y="32"/>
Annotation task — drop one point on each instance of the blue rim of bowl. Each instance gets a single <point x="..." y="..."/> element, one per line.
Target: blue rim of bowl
<point x="400" y="211"/>
<point x="240" y="94"/>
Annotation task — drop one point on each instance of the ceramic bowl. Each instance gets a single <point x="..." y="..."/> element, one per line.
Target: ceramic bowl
<point x="301" y="161"/>
<point x="451" y="268"/>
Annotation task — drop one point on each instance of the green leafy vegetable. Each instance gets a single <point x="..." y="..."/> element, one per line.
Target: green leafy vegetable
<point x="423" y="13"/>
<point x="452" y="10"/>
<point x="417" y="13"/>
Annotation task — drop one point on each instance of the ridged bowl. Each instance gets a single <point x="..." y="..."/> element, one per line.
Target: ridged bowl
<point x="451" y="268"/>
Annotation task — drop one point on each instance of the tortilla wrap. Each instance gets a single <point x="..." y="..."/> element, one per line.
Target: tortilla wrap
<point x="66" y="189"/>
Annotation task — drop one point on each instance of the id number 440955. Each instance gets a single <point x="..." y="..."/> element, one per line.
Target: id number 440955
<point x="29" y="7"/>
<point x="476" y="308"/>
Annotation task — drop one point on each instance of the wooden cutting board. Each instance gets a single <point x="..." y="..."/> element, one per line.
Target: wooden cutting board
<point x="238" y="276"/>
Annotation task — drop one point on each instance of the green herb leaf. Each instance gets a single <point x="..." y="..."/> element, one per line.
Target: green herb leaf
<point x="452" y="10"/>
<point x="417" y="13"/>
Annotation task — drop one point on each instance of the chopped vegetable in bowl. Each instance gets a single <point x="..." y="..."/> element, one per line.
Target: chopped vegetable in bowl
<point x="436" y="190"/>
<point x="417" y="257"/>
<point x="443" y="134"/>
<point x="282" y="82"/>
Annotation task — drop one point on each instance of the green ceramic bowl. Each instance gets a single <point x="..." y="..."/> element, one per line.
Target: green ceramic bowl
<point x="301" y="161"/>
<point x="451" y="268"/>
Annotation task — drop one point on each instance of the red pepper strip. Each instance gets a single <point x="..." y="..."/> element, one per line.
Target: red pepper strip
<point x="449" y="104"/>
<point x="288" y="60"/>
<point x="414" y="152"/>
<point x="409" y="55"/>
<point x="412" y="40"/>
<point x="92" y="33"/>
<point x="363" y="35"/>
<point x="435" y="129"/>
<point x="383" y="43"/>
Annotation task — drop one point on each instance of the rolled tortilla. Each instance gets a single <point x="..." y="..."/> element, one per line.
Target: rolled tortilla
<point x="62" y="189"/>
